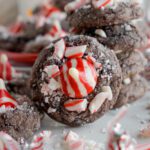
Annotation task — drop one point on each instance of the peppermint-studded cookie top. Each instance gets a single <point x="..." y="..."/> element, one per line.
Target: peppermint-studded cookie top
<point x="78" y="76"/>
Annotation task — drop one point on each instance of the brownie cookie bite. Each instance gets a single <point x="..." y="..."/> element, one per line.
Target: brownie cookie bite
<point x="102" y="13"/>
<point x="125" y="37"/>
<point x="76" y="80"/>
<point x="132" y="89"/>
<point x="18" y="115"/>
<point x="132" y="63"/>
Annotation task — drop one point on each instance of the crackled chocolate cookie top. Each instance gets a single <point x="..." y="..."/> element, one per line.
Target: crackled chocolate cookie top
<point x="75" y="80"/>
<point x="122" y="37"/>
<point x="132" y="63"/>
<point x="132" y="90"/>
<point x="102" y="13"/>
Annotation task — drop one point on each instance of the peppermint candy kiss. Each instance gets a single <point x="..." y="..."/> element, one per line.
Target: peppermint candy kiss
<point x="78" y="78"/>
<point x="6" y="100"/>
<point x="8" y="143"/>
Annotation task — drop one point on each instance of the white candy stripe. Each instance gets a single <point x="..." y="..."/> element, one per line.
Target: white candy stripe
<point x="69" y="88"/>
<point x="80" y="85"/>
<point x="99" y="99"/>
<point x="76" y="4"/>
<point x="97" y="102"/>
<point x="101" y="33"/>
<point x="59" y="49"/>
<point x="2" y="84"/>
<point x="75" y="50"/>
<point x="109" y="91"/>
<point x="53" y="84"/>
<point x="6" y="99"/>
<point x="77" y="105"/>
<point x="74" y="63"/>
<point x="89" y="75"/>
<point x="51" y="70"/>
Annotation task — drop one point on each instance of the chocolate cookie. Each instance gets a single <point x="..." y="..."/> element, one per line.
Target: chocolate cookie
<point x="19" y="86"/>
<point x="110" y="13"/>
<point x="76" y="80"/>
<point x="37" y="44"/>
<point x="132" y="89"/>
<point x="61" y="4"/>
<point x="16" y="42"/>
<point x="125" y="37"/>
<point x="132" y="63"/>
<point x="18" y="115"/>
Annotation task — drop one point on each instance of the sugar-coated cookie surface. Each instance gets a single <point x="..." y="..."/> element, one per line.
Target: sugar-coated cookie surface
<point x="132" y="63"/>
<point x="76" y="80"/>
<point x="132" y="90"/>
<point x="88" y="16"/>
<point x="125" y="37"/>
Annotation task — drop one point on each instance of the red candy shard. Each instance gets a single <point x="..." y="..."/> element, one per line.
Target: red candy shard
<point x="40" y="140"/>
<point x="5" y="98"/>
<point x="16" y="28"/>
<point x="76" y="51"/>
<point x="100" y="3"/>
<point x="8" y="143"/>
<point x="78" y="78"/>
<point x="59" y="49"/>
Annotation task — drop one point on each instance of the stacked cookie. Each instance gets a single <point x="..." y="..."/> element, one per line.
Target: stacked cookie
<point x="111" y="22"/>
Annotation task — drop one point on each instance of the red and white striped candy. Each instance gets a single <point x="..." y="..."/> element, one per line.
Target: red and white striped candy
<point x="93" y="60"/>
<point x="77" y="105"/>
<point x="49" y="10"/>
<point x="75" y="51"/>
<point x="76" y="4"/>
<point x="53" y="13"/>
<point x="56" y="30"/>
<point x="78" y="78"/>
<point x="59" y="49"/>
<point x="101" y="3"/>
<point x="6" y="69"/>
<point x="5" y="98"/>
<point x="52" y="71"/>
<point x="39" y="141"/>
<point x="74" y="142"/>
<point x="99" y="99"/>
<point x="8" y="143"/>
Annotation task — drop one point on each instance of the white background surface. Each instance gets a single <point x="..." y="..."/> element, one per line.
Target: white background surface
<point x="136" y="118"/>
